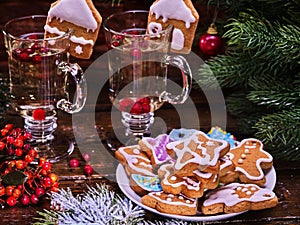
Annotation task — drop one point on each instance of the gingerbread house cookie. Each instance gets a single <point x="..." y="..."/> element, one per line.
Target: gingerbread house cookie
<point x="179" y="13"/>
<point x="82" y="18"/>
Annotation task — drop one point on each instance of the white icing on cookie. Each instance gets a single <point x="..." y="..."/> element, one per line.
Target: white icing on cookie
<point x="78" y="49"/>
<point x="144" y="167"/>
<point x="154" y="28"/>
<point x="173" y="200"/>
<point x="246" y="144"/>
<point x="185" y="181"/>
<point x="202" y="159"/>
<point x="177" y="39"/>
<point x="73" y="38"/>
<point x="175" y="9"/>
<point x="229" y="194"/>
<point x="76" y="12"/>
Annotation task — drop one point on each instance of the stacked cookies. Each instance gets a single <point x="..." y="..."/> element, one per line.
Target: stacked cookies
<point x="187" y="172"/>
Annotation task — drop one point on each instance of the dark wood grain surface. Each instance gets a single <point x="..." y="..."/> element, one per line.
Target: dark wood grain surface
<point x="288" y="173"/>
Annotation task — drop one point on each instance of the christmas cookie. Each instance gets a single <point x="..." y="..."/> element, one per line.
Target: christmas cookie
<point x="179" y="13"/>
<point x="142" y="185"/>
<point x="199" y="152"/>
<point x="236" y="197"/>
<point x="250" y="159"/>
<point x="82" y="18"/>
<point x="227" y="170"/>
<point x="134" y="160"/>
<point x="155" y="148"/>
<point x="217" y="133"/>
<point x="209" y="180"/>
<point x="171" y="204"/>
<point x="182" y="133"/>
<point x="174" y="184"/>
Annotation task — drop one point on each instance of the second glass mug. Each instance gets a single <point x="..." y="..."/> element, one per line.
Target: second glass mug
<point x="39" y="70"/>
<point x="138" y="65"/>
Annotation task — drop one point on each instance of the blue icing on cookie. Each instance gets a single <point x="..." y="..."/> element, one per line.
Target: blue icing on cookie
<point x="147" y="183"/>
<point x="182" y="133"/>
<point x="218" y="133"/>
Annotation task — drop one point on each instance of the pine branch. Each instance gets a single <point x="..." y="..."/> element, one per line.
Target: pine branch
<point x="98" y="206"/>
<point x="280" y="132"/>
<point x="265" y="40"/>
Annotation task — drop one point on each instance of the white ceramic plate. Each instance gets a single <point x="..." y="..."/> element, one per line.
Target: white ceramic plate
<point x="123" y="182"/>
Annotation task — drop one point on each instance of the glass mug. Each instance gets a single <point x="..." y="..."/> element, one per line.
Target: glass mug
<point x="138" y="63"/>
<point x="39" y="70"/>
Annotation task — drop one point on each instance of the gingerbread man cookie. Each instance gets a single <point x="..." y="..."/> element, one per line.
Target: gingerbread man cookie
<point x="179" y="13"/>
<point x="250" y="159"/>
<point x="82" y="18"/>
<point x="236" y="197"/>
<point x="171" y="204"/>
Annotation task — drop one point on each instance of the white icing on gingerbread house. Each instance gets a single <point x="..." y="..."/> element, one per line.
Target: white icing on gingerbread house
<point x="74" y="11"/>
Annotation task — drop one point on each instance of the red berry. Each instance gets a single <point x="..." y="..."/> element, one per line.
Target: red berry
<point x="115" y="44"/>
<point x="4" y="132"/>
<point x="74" y="162"/>
<point x="39" y="114"/>
<point x="10" y="151"/>
<point x="42" y="160"/>
<point x="17" y="193"/>
<point x="86" y="156"/>
<point x="34" y="199"/>
<point x="27" y="136"/>
<point x="10" y="139"/>
<point x="20" y="164"/>
<point x="19" y="152"/>
<point x="28" y="50"/>
<point x="18" y="143"/>
<point x="29" y="158"/>
<point x="36" y="59"/>
<point x="145" y="100"/>
<point x="88" y="169"/>
<point x="2" y="145"/>
<point x="24" y="57"/>
<point x="11" y="201"/>
<point x="39" y="192"/>
<point x="126" y="104"/>
<point x="47" y="182"/>
<point x="47" y="166"/>
<point x="33" y="153"/>
<point x="136" y="53"/>
<point x="25" y="199"/>
<point x="9" y="126"/>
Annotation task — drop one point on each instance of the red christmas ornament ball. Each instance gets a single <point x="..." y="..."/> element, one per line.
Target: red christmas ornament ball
<point x="210" y="42"/>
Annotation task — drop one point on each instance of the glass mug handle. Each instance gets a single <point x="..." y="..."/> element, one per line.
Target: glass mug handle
<point x="73" y="69"/>
<point x="181" y="63"/>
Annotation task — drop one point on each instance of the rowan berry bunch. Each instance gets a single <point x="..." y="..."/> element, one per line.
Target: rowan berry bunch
<point x="24" y="175"/>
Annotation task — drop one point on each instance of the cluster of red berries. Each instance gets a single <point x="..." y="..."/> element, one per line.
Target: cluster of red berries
<point x="88" y="169"/>
<point x="140" y="106"/>
<point x="24" y="176"/>
<point x="33" y="54"/>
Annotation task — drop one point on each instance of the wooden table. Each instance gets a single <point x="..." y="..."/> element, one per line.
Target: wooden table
<point x="288" y="173"/>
